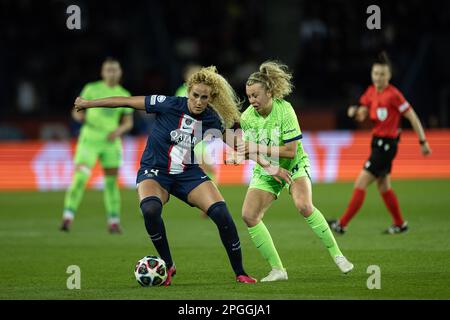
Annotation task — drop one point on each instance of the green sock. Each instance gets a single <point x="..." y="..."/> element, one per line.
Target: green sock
<point x="111" y="196"/>
<point x="320" y="227"/>
<point x="263" y="242"/>
<point x="75" y="192"/>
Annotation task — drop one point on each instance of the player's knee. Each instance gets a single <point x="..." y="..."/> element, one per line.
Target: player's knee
<point x="383" y="186"/>
<point x="218" y="212"/>
<point x="111" y="171"/>
<point x="250" y="218"/>
<point x="360" y="185"/>
<point x="364" y="180"/>
<point x="83" y="168"/>
<point x="151" y="207"/>
<point x="304" y="207"/>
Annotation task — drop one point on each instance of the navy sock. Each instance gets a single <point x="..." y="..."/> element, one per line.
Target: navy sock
<point x="151" y="208"/>
<point x="219" y="213"/>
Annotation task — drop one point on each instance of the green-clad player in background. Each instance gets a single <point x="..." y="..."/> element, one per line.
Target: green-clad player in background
<point x="100" y="139"/>
<point x="271" y="130"/>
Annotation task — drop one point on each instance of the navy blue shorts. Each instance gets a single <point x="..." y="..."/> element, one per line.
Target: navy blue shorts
<point x="179" y="185"/>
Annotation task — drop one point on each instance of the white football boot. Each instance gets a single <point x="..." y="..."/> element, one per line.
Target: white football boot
<point x="276" y="275"/>
<point x="344" y="265"/>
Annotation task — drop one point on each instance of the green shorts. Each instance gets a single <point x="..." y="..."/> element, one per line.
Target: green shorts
<point x="109" y="153"/>
<point x="267" y="183"/>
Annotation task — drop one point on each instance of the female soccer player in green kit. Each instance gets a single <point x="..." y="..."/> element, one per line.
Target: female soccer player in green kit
<point x="270" y="128"/>
<point x="100" y="139"/>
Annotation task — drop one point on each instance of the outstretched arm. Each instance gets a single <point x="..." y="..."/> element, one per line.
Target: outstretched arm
<point x="137" y="103"/>
<point x="417" y="126"/>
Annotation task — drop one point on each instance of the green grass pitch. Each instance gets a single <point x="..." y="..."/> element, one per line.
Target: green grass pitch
<point x="34" y="254"/>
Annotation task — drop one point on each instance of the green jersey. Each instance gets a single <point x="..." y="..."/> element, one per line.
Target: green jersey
<point x="99" y="122"/>
<point x="276" y="129"/>
<point x="182" y="91"/>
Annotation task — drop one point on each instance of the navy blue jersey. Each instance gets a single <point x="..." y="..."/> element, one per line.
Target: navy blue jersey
<point x="170" y="145"/>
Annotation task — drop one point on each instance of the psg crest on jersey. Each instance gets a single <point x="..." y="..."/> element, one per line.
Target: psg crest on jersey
<point x="382" y="113"/>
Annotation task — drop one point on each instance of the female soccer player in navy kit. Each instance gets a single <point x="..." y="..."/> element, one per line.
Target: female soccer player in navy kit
<point x="385" y="105"/>
<point x="168" y="165"/>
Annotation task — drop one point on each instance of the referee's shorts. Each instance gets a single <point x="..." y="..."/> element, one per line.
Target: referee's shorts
<point x="383" y="153"/>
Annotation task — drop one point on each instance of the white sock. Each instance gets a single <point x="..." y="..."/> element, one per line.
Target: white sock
<point x="114" y="220"/>
<point x="68" y="214"/>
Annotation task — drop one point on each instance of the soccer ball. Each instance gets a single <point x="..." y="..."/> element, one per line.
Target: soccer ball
<point x="150" y="271"/>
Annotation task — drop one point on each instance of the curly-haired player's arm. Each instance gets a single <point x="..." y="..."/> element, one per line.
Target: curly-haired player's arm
<point x="137" y="103"/>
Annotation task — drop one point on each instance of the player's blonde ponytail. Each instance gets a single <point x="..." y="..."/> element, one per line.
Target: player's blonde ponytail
<point x="275" y="77"/>
<point x="223" y="98"/>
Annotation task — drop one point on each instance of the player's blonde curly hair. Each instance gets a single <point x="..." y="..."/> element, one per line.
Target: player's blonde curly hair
<point x="223" y="98"/>
<point x="275" y="77"/>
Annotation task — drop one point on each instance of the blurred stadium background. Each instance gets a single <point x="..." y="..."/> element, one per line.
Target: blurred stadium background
<point x="326" y="43"/>
<point x="44" y="65"/>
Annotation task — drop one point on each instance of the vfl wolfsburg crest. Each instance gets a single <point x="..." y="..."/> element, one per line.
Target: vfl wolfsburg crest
<point x="382" y="113"/>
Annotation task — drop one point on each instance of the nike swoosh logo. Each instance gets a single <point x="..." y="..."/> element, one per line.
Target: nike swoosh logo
<point x="203" y="177"/>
